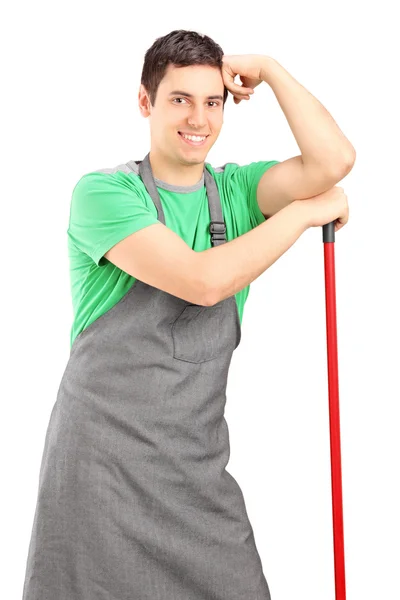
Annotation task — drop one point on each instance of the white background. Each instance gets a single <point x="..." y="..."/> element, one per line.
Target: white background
<point x="69" y="106"/>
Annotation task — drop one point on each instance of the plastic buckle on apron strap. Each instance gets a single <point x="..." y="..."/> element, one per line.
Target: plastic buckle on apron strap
<point x="218" y="228"/>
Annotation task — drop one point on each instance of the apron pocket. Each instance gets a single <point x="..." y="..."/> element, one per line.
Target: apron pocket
<point x="197" y="334"/>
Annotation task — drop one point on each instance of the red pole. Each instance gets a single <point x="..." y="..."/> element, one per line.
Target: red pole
<point x="334" y="414"/>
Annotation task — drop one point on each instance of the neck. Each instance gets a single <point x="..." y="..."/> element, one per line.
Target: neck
<point x="175" y="173"/>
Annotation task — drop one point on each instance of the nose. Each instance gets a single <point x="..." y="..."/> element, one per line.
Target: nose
<point x="197" y="117"/>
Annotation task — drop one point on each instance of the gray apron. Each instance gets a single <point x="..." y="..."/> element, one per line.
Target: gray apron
<point x="134" y="501"/>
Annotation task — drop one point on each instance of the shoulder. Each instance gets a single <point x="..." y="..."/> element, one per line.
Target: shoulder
<point x="108" y="189"/>
<point x="242" y="178"/>
<point x="112" y="179"/>
<point x="223" y="171"/>
<point x="234" y="169"/>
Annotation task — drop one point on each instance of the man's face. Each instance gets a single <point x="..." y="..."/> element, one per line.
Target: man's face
<point x="197" y="114"/>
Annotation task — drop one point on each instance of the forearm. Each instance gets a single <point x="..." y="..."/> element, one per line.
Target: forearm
<point x="230" y="267"/>
<point x="319" y="138"/>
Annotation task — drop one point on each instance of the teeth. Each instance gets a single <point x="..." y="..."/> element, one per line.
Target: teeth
<point x="194" y="138"/>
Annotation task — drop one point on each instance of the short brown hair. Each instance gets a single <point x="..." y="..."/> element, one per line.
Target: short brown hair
<point x="181" y="48"/>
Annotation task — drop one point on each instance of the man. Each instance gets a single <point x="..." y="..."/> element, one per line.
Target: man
<point x="134" y="498"/>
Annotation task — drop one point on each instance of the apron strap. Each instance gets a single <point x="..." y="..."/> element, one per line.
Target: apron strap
<point x="217" y="224"/>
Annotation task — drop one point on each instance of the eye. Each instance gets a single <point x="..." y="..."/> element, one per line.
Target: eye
<point x="210" y="102"/>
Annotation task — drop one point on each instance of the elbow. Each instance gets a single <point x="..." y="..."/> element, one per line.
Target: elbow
<point x="346" y="164"/>
<point x="207" y="293"/>
<point x="349" y="162"/>
<point x="211" y="299"/>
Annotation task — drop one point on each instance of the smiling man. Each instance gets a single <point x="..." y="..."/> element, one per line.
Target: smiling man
<point x="189" y="103"/>
<point x="135" y="501"/>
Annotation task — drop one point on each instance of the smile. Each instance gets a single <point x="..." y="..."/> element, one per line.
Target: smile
<point x="194" y="140"/>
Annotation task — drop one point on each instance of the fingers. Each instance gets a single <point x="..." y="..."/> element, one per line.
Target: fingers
<point x="239" y="91"/>
<point x="237" y="98"/>
<point x="235" y="88"/>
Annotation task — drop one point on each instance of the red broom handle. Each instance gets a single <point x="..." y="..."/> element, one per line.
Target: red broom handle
<point x="334" y="414"/>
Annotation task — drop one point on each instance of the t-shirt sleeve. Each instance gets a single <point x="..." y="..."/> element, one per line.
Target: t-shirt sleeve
<point x="105" y="208"/>
<point x="248" y="177"/>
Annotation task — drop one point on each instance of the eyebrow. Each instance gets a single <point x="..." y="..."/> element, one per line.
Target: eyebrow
<point x="180" y="93"/>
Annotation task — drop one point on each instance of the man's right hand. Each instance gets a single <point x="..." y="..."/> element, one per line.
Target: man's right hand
<point x="326" y="207"/>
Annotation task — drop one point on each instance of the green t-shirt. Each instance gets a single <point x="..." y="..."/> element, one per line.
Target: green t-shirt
<point x="110" y="204"/>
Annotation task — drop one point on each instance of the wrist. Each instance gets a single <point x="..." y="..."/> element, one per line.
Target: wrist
<point x="301" y="213"/>
<point x="266" y="65"/>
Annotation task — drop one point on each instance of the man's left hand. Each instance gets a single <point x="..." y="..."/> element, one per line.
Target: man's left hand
<point x="248" y="67"/>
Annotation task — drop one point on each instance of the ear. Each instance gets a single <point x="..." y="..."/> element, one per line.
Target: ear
<point x="144" y="101"/>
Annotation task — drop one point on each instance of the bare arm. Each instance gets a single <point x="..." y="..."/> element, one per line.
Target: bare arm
<point x="234" y="265"/>
<point x="159" y="257"/>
